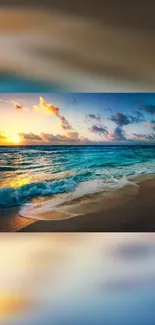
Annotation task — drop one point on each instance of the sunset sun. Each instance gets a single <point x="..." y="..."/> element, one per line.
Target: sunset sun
<point x="15" y="139"/>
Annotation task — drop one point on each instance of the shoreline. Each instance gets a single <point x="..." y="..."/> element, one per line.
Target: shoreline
<point x="125" y="209"/>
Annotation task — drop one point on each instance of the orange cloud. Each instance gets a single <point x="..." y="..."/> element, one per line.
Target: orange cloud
<point x="49" y="108"/>
<point x="30" y="136"/>
<point x="72" y="134"/>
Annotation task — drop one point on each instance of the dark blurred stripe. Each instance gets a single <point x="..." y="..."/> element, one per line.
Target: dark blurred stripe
<point x="133" y="14"/>
<point x="13" y="83"/>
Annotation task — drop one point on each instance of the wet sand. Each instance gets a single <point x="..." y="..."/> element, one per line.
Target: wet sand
<point x="123" y="210"/>
<point x="10" y="221"/>
<point x="119" y="212"/>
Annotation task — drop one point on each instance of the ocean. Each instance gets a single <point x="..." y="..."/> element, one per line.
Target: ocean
<point x="64" y="173"/>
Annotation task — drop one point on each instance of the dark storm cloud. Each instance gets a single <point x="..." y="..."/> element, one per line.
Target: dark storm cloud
<point x="139" y="117"/>
<point x="96" y="117"/>
<point x="118" y="134"/>
<point x="139" y="136"/>
<point x="30" y="136"/>
<point x="144" y="137"/>
<point x="150" y="137"/>
<point x="121" y="119"/>
<point x="99" y="129"/>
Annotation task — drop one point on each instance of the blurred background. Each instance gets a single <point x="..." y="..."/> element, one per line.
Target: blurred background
<point x="77" y="46"/>
<point x="89" y="278"/>
<point x="62" y="45"/>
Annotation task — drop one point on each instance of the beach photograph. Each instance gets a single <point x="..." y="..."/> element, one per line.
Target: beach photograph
<point x="77" y="162"/>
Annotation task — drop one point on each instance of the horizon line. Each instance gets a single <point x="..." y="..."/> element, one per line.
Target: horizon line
<point x="76" y="145"/>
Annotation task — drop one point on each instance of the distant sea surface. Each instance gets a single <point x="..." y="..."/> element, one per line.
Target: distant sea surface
<point x="68" y="172"/>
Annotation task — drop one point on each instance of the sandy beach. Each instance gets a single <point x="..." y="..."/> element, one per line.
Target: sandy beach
<point x="11" y="221"/>
<point x="126" y="209"/>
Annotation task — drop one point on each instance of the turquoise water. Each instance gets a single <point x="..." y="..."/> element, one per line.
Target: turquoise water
<point x="40" y="171"/>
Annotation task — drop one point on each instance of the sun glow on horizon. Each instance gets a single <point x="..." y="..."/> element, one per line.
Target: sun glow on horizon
<point x="15" y="139"/>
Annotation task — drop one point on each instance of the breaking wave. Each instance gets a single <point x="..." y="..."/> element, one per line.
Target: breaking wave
<point x="59" y="175"/>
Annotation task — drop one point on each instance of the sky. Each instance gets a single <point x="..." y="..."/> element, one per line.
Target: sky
<point x="77" y="118"/>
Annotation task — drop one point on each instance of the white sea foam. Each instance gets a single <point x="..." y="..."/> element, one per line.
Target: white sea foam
<point x="39" y="210"/>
